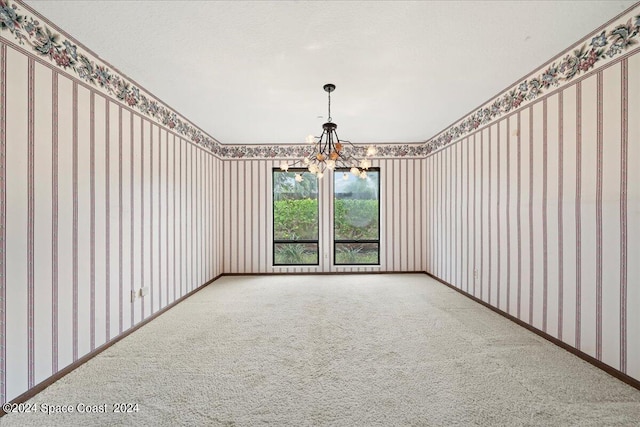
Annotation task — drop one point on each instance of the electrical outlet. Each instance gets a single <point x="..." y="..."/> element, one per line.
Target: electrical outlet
<point x="475" y="273"/>
<point x="134" y="295"/>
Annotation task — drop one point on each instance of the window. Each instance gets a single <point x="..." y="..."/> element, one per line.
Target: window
<point x="356" y="216"/>
<point x="295" y="218"/>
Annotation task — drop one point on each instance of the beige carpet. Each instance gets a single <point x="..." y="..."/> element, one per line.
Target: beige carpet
<point x="358" y="350"/>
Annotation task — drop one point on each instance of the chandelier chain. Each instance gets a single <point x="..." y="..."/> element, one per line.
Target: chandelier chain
<point x="329" y="115"/>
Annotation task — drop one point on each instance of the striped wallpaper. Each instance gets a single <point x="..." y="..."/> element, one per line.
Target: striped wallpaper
<point x="248" y="216"/>
<point x="538" y="214"/>
<point x="97" y="201"/>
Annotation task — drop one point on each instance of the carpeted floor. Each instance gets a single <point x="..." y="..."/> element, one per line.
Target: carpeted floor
<point x="355" y="350"/>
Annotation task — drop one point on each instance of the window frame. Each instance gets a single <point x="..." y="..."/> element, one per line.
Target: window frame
<point x="352" y="241"/>
<point x="273" y="218"/>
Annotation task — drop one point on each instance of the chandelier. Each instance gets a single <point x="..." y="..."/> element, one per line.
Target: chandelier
<point x="330" y="152"/>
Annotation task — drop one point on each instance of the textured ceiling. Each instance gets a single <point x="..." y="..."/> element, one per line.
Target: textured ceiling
<point x="252" y="72"/>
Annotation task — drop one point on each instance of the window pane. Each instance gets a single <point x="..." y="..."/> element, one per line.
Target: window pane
<point x="295" y="206"/>
<point x="356" y="207"/>
<point x="357" y="253"/>
<point x="295" y="218"/>
<point x="356" y="213"/>
<point x="295" y="253"/>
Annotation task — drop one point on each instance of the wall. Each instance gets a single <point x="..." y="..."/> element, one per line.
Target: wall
<point x="249" y="217"/>
<point x="97" y="198"/>
<point x="538" y="212"/>
<point x="531" y="204"/>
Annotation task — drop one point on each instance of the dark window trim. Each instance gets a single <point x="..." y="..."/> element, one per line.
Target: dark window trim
<point x="369" y="241"/>
<point x="360" y="263"/>
<point x="290" y="242"/>
<point x="295" y="241"/>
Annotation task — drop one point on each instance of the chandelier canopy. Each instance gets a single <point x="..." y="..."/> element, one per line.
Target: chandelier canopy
<point x="330" y="152"/>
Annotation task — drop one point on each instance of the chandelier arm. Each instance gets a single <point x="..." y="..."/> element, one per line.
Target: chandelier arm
<point x="350" y="162"/>
<point x="334" y="139"/>
<point x="353" y="146"/>
<point x="318" y="147"/>
<point x="337" y="140"/>
<point x="349" y="142"/>
<point x="346" y="159"/>
<point x="327" y="142"/>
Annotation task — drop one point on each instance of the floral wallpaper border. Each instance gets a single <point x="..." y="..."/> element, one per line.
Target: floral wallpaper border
<point x="28" y="30"/>
<point x="611" y="42"/>
<point x="299" y="151"/>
